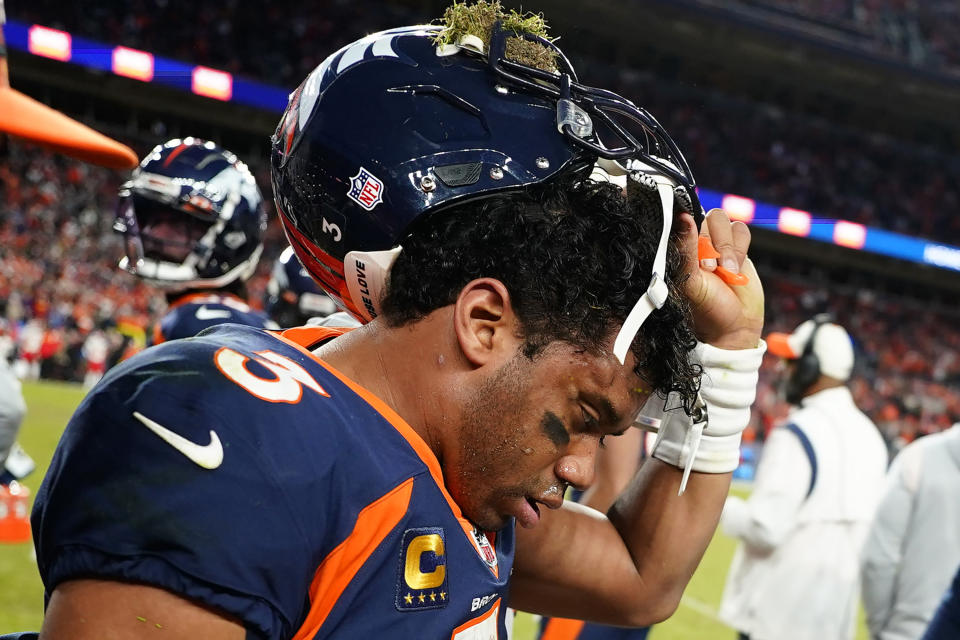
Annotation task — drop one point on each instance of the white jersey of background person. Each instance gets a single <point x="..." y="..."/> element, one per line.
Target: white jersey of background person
<point x="796" y="574"/>
<point x="913" y="549"/>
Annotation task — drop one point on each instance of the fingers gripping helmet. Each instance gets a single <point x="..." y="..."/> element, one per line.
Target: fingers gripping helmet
<point x="192" y="217"/>
<point x="393" y="127"/>
<point x="293" y="297"/>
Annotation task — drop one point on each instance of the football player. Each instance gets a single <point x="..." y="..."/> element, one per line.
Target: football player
<point x="193" y="220"/>
<point x="293" y="298"/>
<point x="357" y="484"/>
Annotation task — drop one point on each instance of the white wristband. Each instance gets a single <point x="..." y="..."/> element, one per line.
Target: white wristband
<point x="727" y="389"/>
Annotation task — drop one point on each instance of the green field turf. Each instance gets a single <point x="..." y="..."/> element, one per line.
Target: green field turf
<point x="49" y="406"/>
<point x="21" y="594"/>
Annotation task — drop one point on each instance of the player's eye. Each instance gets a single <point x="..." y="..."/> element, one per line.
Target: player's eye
<point x="590" y="423"/>
<point x="611" y="435"/>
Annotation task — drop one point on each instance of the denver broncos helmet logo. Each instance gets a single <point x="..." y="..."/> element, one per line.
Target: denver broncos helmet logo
<point x="287" y="129"/>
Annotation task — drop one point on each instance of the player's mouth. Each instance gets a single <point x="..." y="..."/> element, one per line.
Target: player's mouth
<point x="528" y="513"/>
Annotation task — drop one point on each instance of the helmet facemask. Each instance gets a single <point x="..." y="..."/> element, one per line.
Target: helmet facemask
<point x="182" y="232"/>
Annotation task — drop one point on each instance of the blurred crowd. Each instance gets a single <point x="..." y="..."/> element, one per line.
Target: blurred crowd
<point x="923" y="33"/>
<point x="277" y="41"/>
<point x="67" y="311"/>
<point x="907" y="373"/>
<point x="758" y="150"/>
<point x="791" y="159"/>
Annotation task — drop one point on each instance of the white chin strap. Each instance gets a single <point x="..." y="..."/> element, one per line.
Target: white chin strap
<point x="366" y="275"/>
<point x="657" y="292"/>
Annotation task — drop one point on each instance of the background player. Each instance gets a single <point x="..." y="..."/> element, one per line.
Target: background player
<point x="193" y="221"/>
<point x="292" y="297"/>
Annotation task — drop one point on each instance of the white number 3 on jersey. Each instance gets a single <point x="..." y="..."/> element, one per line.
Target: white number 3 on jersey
<point x="288" y="385"/>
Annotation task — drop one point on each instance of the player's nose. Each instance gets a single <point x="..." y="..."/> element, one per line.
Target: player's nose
<point x="576" y="467"/>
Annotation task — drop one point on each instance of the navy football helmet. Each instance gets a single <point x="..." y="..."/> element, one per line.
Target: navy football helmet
<point x="395" y="126"/>
<point x="192" y="217"/>
<point x="293" y="297"/>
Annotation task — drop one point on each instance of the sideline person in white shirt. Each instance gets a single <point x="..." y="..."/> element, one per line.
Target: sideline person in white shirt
<point x="913" y="549"/>
<point x="795" y="575"/>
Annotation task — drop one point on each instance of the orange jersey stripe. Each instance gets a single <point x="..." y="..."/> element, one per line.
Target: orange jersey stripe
<point x="338" y="569"/>
<point x="300" y="336"/>
<point x="562" y="629"/>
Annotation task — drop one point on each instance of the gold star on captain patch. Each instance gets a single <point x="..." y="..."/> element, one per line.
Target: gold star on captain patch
<point x="408" y="598"/>
<point x="443" y="595"/>
<point x="421" y="598"/>
<point x="433" y="597"/>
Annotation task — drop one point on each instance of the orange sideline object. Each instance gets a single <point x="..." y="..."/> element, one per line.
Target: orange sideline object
<point x="706" y="251"/>
<point x="14" y="513"/>
<point x="24" y="117"/>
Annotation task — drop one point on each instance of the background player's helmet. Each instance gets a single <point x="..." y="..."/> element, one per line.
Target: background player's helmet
<point x="394" y="126"/>
<point x="192" y="217"/>
<point x="293" y="297"/>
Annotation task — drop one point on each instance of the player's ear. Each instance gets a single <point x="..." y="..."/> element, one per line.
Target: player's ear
<point x="484" y="321"/>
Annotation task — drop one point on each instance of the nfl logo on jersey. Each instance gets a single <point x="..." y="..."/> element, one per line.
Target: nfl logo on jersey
<point x="365" y="189"/>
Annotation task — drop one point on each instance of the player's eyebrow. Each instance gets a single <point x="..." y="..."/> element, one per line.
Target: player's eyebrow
<point x="609" y="416"/>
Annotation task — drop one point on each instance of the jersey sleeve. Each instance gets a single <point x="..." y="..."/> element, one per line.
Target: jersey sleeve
<point x="783" y="477"/>
<point x="157" y="481"/>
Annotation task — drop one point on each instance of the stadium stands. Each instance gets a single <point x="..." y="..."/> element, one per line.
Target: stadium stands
<point x="277" y="41"/>
<point x="923" y="34"/>
<point x="769" y="152"/>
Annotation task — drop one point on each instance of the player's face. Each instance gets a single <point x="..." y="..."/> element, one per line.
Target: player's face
<point x="168" y="234"/>
<point x="533" y="428"/>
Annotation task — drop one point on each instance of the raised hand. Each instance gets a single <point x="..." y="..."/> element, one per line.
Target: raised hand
<point x="727" y="316"/>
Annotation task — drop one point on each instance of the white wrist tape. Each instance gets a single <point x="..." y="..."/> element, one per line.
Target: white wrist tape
<point x="727" y="390"/>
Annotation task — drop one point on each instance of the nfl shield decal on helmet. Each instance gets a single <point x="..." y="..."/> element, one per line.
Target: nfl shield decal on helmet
<point x="366" y="189"/>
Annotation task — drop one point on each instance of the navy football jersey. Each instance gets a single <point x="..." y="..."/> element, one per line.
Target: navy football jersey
<point x="192" y="313"/>
<point x="237" y="469"/>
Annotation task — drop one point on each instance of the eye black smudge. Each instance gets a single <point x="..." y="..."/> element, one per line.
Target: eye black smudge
<point x="553" y="427"/>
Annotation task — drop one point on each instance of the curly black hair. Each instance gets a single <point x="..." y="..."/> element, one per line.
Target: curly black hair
<point x="574" y="255"/>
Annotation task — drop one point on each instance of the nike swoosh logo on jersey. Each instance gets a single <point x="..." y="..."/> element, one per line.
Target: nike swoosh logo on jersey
<point x="211" y="314"/>
<point x="207" y="456"/>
